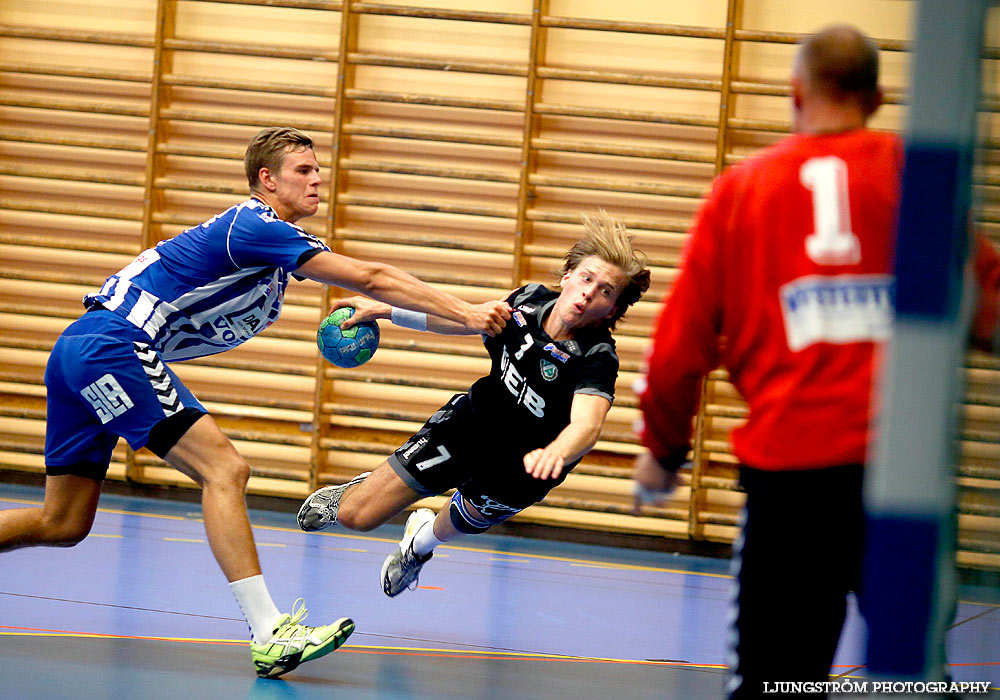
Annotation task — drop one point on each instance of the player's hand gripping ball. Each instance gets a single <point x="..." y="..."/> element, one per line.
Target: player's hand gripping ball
<point x="347" y="348"/>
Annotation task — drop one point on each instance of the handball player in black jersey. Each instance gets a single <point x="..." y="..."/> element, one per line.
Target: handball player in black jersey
<point x="519" y="430"/>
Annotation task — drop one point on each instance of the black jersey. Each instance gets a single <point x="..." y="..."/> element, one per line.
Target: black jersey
<point x="533" y="378"/>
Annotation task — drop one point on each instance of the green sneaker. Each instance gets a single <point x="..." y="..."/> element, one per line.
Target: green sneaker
<point x="294" y="643"/>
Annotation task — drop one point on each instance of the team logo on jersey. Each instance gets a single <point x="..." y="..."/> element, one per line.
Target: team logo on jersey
<point x="837" y="309"/>
<point x="238" y="327"/>
<point x="108" y="398"/>
<point x="409" y="452"/>
<point x="519" y="319"/>
<point x="517" y="385"/>
<point x="556" y="352"/>
<point x="527" y="308"/>
<point x="549" y="371"/>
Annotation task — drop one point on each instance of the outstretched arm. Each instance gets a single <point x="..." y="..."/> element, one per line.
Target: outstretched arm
<point x="586" y="420"/>
<point x="366" y="309"/>
<point x="393" y="286"/>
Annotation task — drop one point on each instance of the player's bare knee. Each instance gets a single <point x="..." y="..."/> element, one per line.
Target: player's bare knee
<point x="230" y="472"/>
<point x="237" y="473"/>
<point x="354" y="515"/>
<point x="69" y="539"/>
<point x="62" y="534"/>
<point x="349" y="517"/>
<point x="366" y="524"/>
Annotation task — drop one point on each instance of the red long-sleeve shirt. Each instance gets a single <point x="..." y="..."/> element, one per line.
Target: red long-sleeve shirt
<point x="789" y="260"/>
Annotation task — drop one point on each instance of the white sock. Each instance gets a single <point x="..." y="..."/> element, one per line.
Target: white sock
<point x="425" y="540"/>
<point x="257" y="606"/>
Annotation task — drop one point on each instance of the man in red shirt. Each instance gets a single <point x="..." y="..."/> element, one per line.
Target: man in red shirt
<point x="789" y="262"/>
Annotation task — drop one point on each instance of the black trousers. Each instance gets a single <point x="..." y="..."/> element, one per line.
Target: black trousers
<point x="798" y="557"/>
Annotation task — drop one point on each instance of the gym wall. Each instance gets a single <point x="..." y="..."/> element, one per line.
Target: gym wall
<point x="460" y="140"/>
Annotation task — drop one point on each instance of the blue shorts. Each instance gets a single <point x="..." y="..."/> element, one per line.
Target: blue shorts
<point x="104" y="381"/>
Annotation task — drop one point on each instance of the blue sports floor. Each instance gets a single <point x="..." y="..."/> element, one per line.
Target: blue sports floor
<point x="140" y="611"/>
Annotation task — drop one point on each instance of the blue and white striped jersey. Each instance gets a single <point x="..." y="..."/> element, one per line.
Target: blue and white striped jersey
<point x="212" y="287"/>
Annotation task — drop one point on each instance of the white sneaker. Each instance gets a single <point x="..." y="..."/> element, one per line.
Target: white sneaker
<point x="319" y="511"/>
<point x="401" y="568"/>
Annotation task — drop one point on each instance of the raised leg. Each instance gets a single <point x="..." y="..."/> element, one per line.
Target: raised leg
<point x="64" y="519"/>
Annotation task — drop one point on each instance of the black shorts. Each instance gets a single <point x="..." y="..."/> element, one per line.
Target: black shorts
<point x="456" y="450"/>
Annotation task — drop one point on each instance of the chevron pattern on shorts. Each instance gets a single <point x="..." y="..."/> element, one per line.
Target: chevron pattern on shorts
<point x="159" y="379"/>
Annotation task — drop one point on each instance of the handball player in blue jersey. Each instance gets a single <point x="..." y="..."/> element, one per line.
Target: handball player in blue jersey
<point x="209" y="289"/>
<point x="519" y="430"/>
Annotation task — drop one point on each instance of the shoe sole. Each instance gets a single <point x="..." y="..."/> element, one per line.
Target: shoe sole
<point x="345" y="628"/>
<point x="385" y="569"/>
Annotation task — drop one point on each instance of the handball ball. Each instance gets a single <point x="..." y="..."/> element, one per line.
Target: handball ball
<point x="347" y="348"/>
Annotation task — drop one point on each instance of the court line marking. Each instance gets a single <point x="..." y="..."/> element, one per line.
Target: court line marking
<point x="418" y="651"/>
<point x="162" y="516"/>
<point x="511" y="560"/>
<point x="369" y="538"/>
<point x="115" y="606"/>
<point x="477" y="550"/>
<point x="413" y="651"/>
<point x="360" y="648"/>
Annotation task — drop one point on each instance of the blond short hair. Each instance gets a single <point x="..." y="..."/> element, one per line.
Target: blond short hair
<point x="607" y="239"/>
<point x="268" y="148"/>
